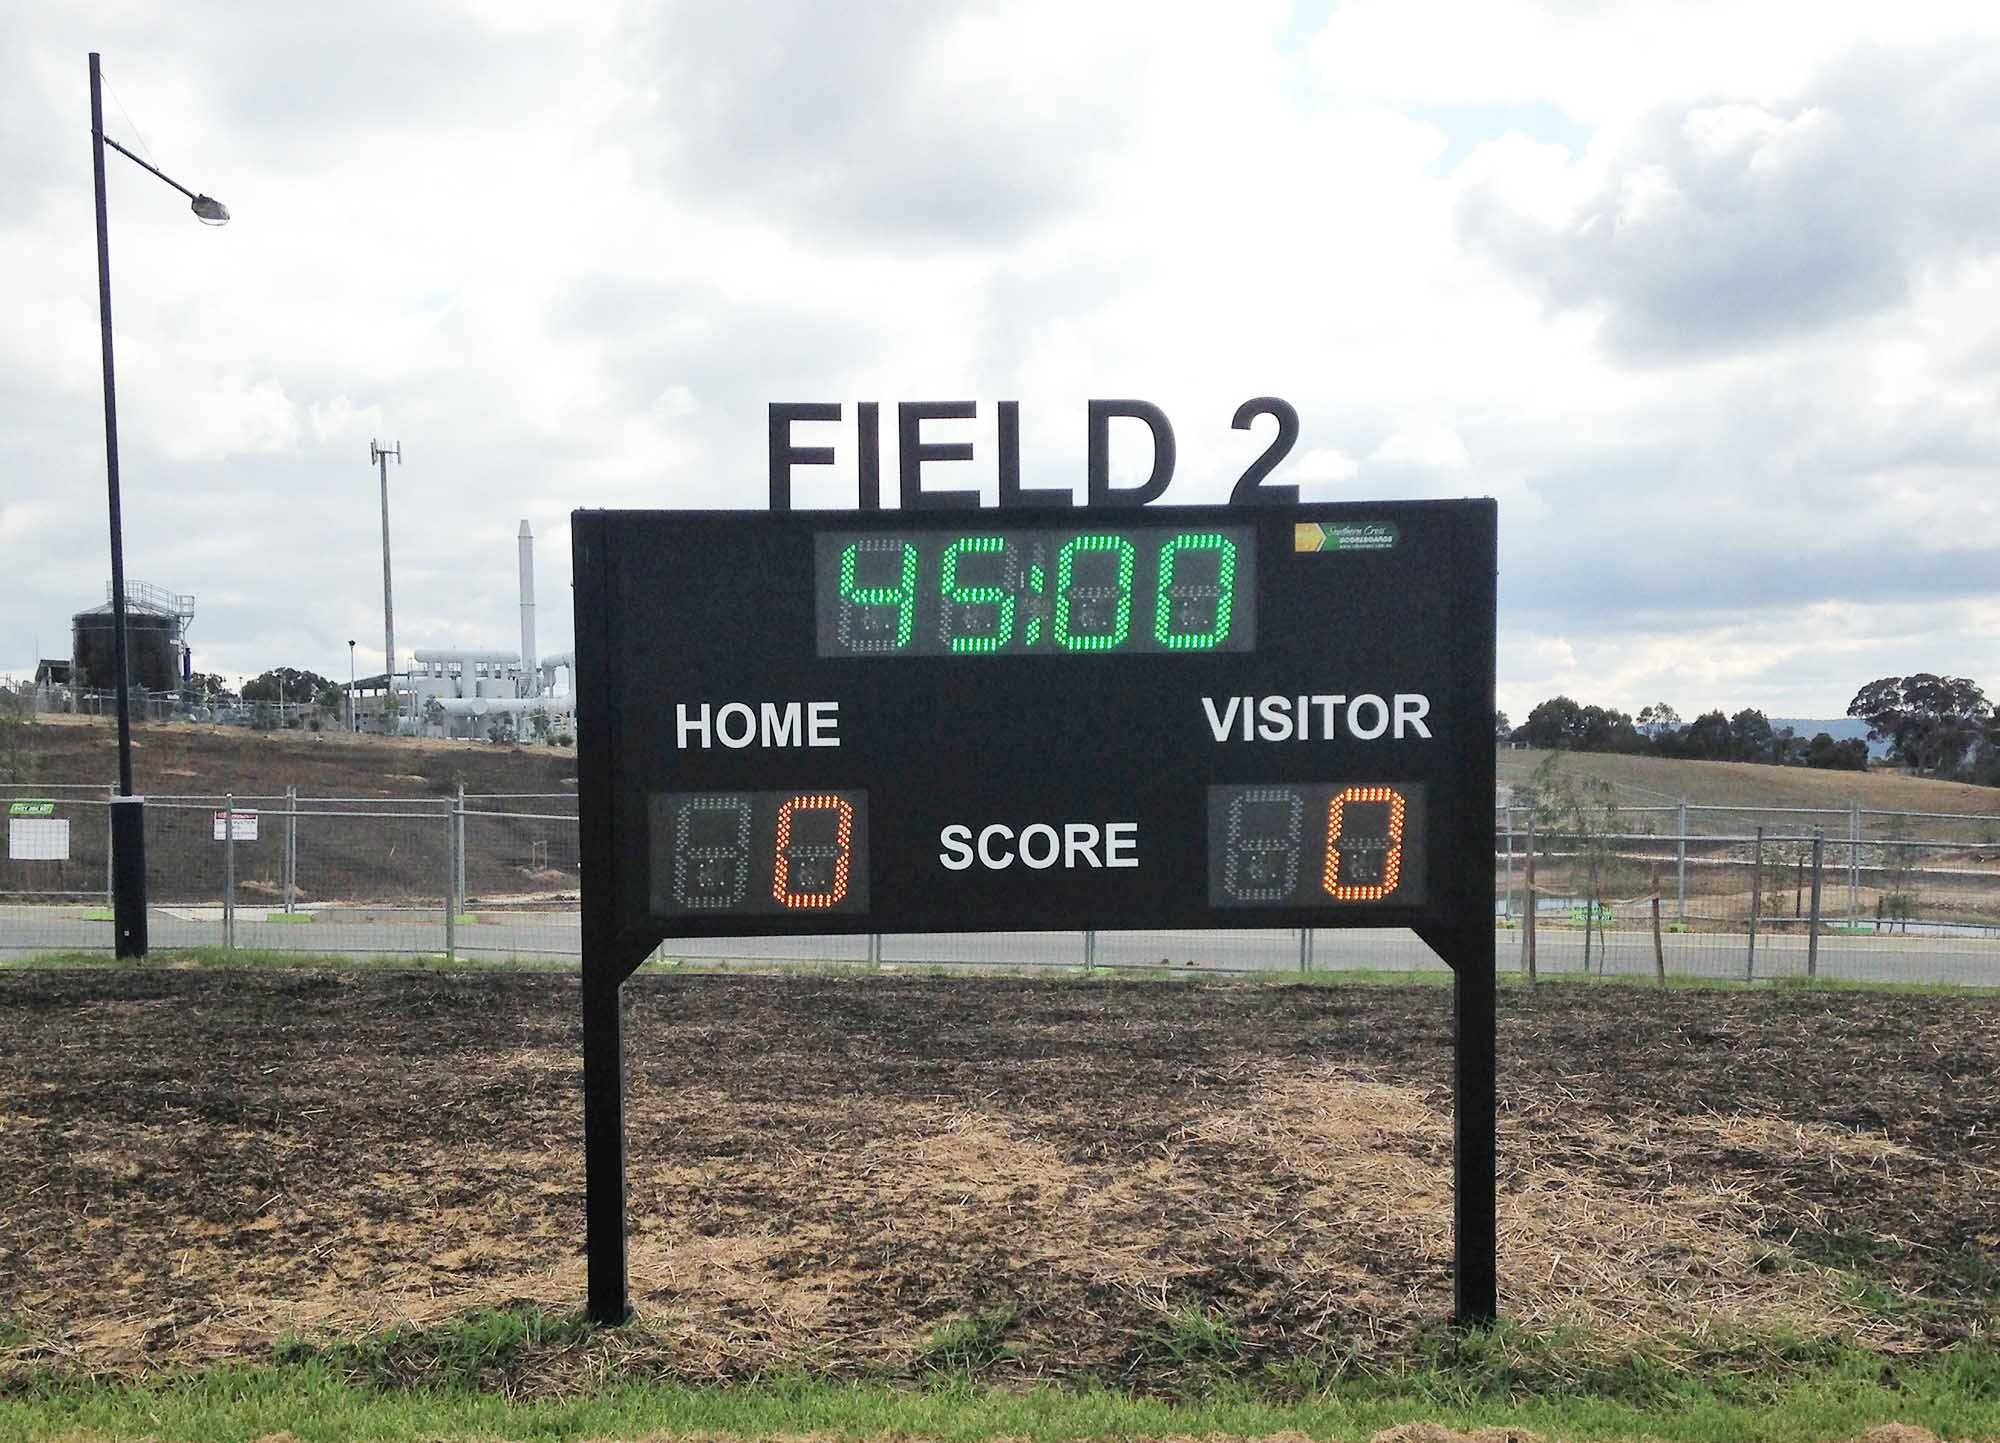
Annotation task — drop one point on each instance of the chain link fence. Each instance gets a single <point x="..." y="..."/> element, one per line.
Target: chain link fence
<point x="1679" y="890"/>
<point x="1757" y="892"/>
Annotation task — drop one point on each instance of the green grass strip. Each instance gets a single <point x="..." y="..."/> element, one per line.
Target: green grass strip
<point x="1956" y="1396"/>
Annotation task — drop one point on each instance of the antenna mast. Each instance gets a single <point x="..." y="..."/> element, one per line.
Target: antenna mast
<point x="378" y="456"/>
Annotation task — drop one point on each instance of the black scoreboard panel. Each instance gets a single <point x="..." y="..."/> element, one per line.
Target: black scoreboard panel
<point x="1012" y="720"/>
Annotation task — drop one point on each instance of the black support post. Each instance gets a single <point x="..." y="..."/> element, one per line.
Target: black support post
<point x="1474" y="1141"/>
<point x="604" y="1153"/>
<point x="607" y="961"/>
<point x="128" y="876"/>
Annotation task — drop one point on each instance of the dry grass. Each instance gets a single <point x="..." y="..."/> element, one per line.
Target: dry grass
<point x="825" y="1174"/>
<point x="1593" y="1232"/>
<point x="1329" y="1171"/>
<point x="1748" y="784"/>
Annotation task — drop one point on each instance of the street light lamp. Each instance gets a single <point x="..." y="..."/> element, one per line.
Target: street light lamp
<point x="128" y="816"/>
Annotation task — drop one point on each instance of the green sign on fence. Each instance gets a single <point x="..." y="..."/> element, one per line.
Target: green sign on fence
<point x="29" y="808"/>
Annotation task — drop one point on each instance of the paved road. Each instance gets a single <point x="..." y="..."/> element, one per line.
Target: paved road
<point x="554" y="935"/>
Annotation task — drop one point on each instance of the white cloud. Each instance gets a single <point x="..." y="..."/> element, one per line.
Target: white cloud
<point x="1694" y="290"/>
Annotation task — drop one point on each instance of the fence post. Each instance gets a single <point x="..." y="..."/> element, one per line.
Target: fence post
<point x="1090" y="949"/>
<point x="1529" y="910"/>
<point x="1681" y="869"/>
<point x="461" y="844"/>
<point x="229" y="870"/>
<point x="110" y="801"/>
<point x="1659" y="949"/>
<point x="1812" y="922"/>
<point x="874" y="949"/>
<point x="452" y="820"/>
<point x="291" y="846"/>
<point x="1756" y="903"/>
<point x="1590" y="906"/>
<point x="1507" y="907"/>
<point x="1305" y="948"/>
<point x="1854" y="861"/>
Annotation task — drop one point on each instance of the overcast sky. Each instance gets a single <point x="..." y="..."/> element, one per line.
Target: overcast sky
<point x="1707" y="295"/>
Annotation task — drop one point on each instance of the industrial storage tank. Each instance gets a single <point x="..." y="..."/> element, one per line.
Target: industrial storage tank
<point x="152" y="650"/>
<point x="155" y="638"/>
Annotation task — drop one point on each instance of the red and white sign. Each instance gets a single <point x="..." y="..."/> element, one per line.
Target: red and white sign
<point x="237" y="826"/>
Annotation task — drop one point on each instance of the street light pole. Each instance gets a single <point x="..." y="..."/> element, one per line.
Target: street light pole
<point x="380" y="457"/>
<point x="111" y="451"/>
<point x="128" y="815"/>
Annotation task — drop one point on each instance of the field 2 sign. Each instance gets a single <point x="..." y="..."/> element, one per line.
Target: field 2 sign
<point x="1034" y="719"/>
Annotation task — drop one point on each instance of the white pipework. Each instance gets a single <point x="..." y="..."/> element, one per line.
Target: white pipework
<point x="562" y="660"/>
<point x="526" y="684"/>
<point x="487" y="656"/>
<point x="491" y="705"/>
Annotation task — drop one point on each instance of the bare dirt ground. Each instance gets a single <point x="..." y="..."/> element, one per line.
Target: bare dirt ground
<point x="823" y="1172"/>
<point x="396" y="861"/>
<point x="182" y="758"/>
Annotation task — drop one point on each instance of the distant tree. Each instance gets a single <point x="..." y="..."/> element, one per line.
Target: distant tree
<point x="1829" y="755"/>
<point x="1502" y="728"/>
<point x="1750" y="736"/>
<point x="1984" y="768"/>
<point x="1658" y="720"/>
<point x="1556" y="724"/>
<point x="1930" y="722"/>
<point x="1606" y="729"/>
<point x="206" y="686"/>
<point x="1707" y="738"/>
<point x="286" y="684"/>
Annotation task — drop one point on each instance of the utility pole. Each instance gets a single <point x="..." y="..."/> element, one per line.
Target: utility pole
<point x="377" y="456"/>
<point x="128" y="812"/>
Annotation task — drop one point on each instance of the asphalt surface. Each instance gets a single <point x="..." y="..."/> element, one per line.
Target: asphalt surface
<point x="554" y="937"/>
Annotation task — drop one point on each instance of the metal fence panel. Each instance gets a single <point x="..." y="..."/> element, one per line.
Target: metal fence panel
<point x="55" y="869"/>
<point x="1900" y="896"/>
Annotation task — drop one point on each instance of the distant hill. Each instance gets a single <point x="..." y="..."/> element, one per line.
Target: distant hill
<point x="1839" y="728"/>
<point x="1640" y="782"/>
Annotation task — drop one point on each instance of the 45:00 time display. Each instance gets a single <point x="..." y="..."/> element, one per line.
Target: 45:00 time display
<point x="1005" y="592"/>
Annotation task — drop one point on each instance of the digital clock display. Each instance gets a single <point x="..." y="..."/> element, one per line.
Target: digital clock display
<point x="797" y="852"/>
<point x="1324" y="845"/>
<point x="999" y="591"/>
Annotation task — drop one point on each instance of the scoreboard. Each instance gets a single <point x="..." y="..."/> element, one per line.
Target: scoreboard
<point x="1023" y="719"/>
<point x="1160" y="717"/>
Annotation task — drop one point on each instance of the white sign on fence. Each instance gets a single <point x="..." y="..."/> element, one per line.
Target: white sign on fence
<point x="242" y="825"/>
<point x="38" y="839"/>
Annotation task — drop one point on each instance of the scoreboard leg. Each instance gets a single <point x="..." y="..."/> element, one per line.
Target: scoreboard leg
<point x="604" y="1153"/>
<point x="1475" y="1118"/>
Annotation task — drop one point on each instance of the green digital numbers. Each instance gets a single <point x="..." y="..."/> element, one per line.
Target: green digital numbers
<point x="964" y="625"/>
<point x="1182" y="601"/>
<point x="1037" y="591"/>
<point x="867" y="622"/>
<point x="1096" y="616"/>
